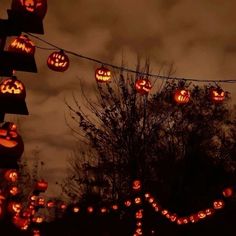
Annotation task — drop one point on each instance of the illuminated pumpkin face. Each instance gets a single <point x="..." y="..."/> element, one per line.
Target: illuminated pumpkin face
<point x="76" y="209"/>
<point x="217" y="95"/>
<point x="14" y="190"/>
<point x="90" y="209"/>
<point x="209" y="211"/>
<point x="103" y="210"/>
<point x="136" y="185"/>
<point x="41" y="186"/>
<point x="36" y="232"/>
<point x="139" y="214"/>
<point x="10" y="175"/>
<point x="50" y="204"/>
<point x="41" y="202"/>
<point x="20" y="223"/>
<point x="38" y="219"/>
<point x="36" y="7"/>
<point x="228" y="192"/>
<point x="181" y="96"/>
<point x="58" y="61"/>
<point x="219" y="204"/>
<point x="201" y="215"/>
<point x="102" y="74"/>
<point x="14" y="207"/>
<point x="194" y="218"/>
<point x="115" y="207"/>
<point x="137" y="200"/>
<point x="12" y="88"/>
<point x="128" y="203"/>
<point x="22" y="44"/>
<point x="143" y="86"/>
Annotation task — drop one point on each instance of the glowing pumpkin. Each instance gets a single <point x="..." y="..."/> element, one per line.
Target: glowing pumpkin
<point x="218" y="204"/>
<point x="14" y="190"/>
<point x="76" y="209"/>
<point x="41" y="202"/>
<point x="14" y="207"/>
<point x="217" y="95"/>
<point x="201" y="214"/>
<point x="20" y="223"/>
<point x="209" y="211"/>
<point x="137" y="200"/>
<point x="103" y="74"/>
<point x="139" y="214"/>
<point x="36" y="7"/>
<point x="115" y="207"/>
<point x="181" y="96"/>
<point x="58" y="61"/>
<point x="41" y="186"/>
<point x="143" y="86"/>
<point x="50" y="204"/>
<point x="228" y="192"/>
<point x="90" y="209"/>
<point x="22" y="44"/>
<point x="136" y="185"/>
<point x="10" y="175"/>
<point x="127" y="203"/>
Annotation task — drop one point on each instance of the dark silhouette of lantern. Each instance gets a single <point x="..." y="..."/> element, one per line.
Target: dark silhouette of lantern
<point x="217" y="95"/>
<point x="58" y="61"/>
<point x="181" y="96"/>
<point x="22" y="44"/>
<point x="35" y="7"/>
<point x="143" y="86"/>
<point x="11" y="148"/>
<point x="102" y="75"/>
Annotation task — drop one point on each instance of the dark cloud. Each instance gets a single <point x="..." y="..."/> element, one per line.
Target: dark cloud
<point x="198" y="36"/>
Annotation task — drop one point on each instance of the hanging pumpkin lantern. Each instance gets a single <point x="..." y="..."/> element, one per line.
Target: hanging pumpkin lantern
<point x="136" y="185"/>
<point x="41" y="186"/>
<point x="228" y="192"/>
<point x="11" y="175"/>
<point x="35" y="7"/>
<point x="143" y="86"/>
<point x="58" y="61"/>
<point x="181" y="96"/>
<point x="63" y="206"/>
<point x="217" y="95"/>
<point x="218" y="204"/>
<point x="22" y="44"/>
<point x="102" y="75"/>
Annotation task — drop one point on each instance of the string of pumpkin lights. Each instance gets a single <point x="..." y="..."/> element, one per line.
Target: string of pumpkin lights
<point x="122" y="68"/>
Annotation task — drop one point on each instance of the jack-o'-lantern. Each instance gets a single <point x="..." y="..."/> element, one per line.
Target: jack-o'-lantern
<point x="20" y="222"/>
<point x="201" y="214"/>
<point x="103" y="210"/>
<point x="139" y="214"/>
<point x="2" y="198"/>
<point x="14" y="207"/>
<point x="76" y="209"/>
<point x="147" y="195"/>
<point x="50" y="204"/>
<point x="164" y="212"/>
<point x="127" y="203"/>
<point x="63" y="206"/>
<point x="183" y="220"/>
<point x="151" y="200"/>
<point x="173" y="217"/>
<point x="194" y="218"/>
<point x="209" y="211"/>
<point x="41" y="186"/>
<point x="11" y="175"/>
<point x="90" y="209"/>
<point x="228" y="192"/>
<point x="14" y="190"/>
<point x="139" y="224"/>
<point x="36" y="232"/>
<point x="13" y="89"/>
<point x="102" y="75"/>
<point x="22" y="44"/>
<point x="11" y="148"/>
<point x="136" y="185"/>
<point x="143" y="86"/>
<point x="181" y="96"/>
<point x="218" y="204"/>
<point x="38" y="219"/>
<point x="138" y="200"/>
<point x="35" y="7"/>
<point x="58" y="61"/>
<point x="115" y="207"/>
<point x="26" y="213"/>
<point x="217" y="95"/>
<point x="41" y="202"/>
<point x="139" y="231"/>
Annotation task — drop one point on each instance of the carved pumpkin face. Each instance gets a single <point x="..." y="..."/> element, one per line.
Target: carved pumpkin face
<point x="102" y="75"/>
<point x="10" y="175"/>
<point x="136" y="185"/>
<point x="90" y="209"/>
<point x="139" y="214"/>
<point x="50" y="204"/>
<point x="217" y="95"/>
<point x="58" y="61"/>
<point x="76" y="209"/>
<point x="36" y="7"/>
<point x="36" y="232"/>
<point x="41" y="202"/>
<point x="14" y="190"/>
<point x="143" y="86"/>
<point x="219" y="204"/>
<point x="201" y="215"/>
<point x="181" y="96"/>
<point x="20" y="223"/>
<point x="209" y="211"/>
<point x="128" y="203"/>
<point x="115" y="207"/>
<point x="14" y="207"/>
<point x="13" y="88"/>
<point x="137" y="200"/>
<point x="41" y="186"/>
<point x="22" y="44"/>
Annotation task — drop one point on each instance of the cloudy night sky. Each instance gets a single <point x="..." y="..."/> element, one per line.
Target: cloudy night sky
<point x="197" y="36"/>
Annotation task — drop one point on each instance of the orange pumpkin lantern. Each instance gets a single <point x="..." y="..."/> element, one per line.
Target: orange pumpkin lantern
<point x="41" y="186"/>
<point x="115" y="207"/>
<point x="137" y="200"/>
<point x="50" y="204"/>
<point x="228" y="192"/>
<point x="35" y="7"/>
<point x="128" y="203"/>
<point x="209" y="211"/>
<point x="139" y="214"/>
<point x="143" y="86"/>
<point x="14" y="190"/>
<point x="41" y="202"/>
<point x="218" y="204"/>
<point x="58" y="61"/>
<point x="136" y="185"/>
<point x="76" y="209"/>
<point x="90" y="209"/>
<point x="102" y="75"/>
<point x="217" y="95"/>
<point x="14" y="207"/>
<point x="181" y="96"/>
<point x="20" y="223"/>
<point x="11" y="175"/>
<point x="201" y="214"/>
<point x="22" y="44"/>
<point x="36" y="232"/>
<point x="194" y="218"/>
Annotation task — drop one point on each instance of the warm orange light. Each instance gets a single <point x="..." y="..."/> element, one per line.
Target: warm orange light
<point x="228" y="192"/>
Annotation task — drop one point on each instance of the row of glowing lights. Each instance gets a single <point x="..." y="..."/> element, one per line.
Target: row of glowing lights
<point x="59" y="61"/>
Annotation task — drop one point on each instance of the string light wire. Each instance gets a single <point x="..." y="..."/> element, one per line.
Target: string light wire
<point x="122" y="68"/>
